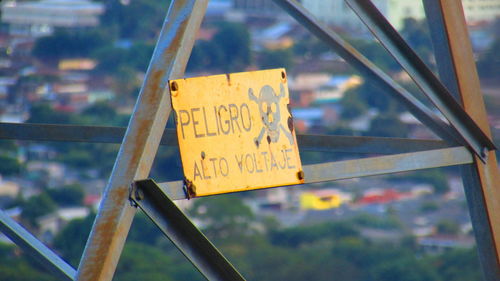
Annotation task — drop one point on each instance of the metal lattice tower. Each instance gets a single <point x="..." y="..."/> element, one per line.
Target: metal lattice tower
<point x="466" y="140"/>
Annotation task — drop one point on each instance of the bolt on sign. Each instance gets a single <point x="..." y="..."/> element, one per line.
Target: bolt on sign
<point x="236" y="132"/>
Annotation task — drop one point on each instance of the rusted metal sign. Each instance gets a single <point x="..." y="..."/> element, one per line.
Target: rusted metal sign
<point x="236" y="132"/>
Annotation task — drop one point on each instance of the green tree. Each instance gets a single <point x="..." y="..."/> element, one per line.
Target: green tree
<point x="374" y="97"/>
<point x="225" y="216"/>
<point x="70" y="242"/>
<point x="101" y="113"/>
<point x="448" y="227"/>
<point x="143" y="262"/>
<point x="457" y="265"/>
<point x="36" y="207"/>
<point x="352" y="105"/>
<point x="66" y="45"/>
<point x="409" y="269"/>
<point x="388" y="125"/>
<point x="234" y="42"/>
<point x="206" y="55"/>
<point x="43" y="113"/>
<point x="310" y="46"/>
<point x="110" y="59"/>
<point x="17" y="267"/>
<point x="298" y="236"/>
<point x="376" y="53"/>
<point x="138" y="19"/>
<point x="276" y="59"/>
<point x="429" y="207"/>
<point x="437" y="178"/>
<point x="10" y="165"/>
<point x="416" y="33"/>
<point x="68" y="195"/>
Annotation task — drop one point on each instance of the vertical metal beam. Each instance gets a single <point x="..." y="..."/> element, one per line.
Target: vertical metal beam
<point x="35" y="248"/>
<point x="141" y="141"/>
<point x="481" y="180"/>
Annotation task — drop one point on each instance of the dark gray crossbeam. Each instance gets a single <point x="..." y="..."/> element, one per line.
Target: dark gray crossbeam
<point x="96" y="134"/>
<point x="371" y="166"/>
<point x="182" y="232"/>
<point x="34" y="248"/>
<point x="423" y="77"/>
<point x="370" y="71"/>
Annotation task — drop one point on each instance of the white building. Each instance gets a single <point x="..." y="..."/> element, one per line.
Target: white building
<point x="41" y="17"/>
<point x="337" y="12"/>
<point x="481" y="10"/>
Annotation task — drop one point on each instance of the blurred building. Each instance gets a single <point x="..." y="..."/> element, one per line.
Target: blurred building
<point x="39" y="18"/>
<point x="258" y="8"/>
<point x="481" y="11"/>
<point x="339" y="14"/>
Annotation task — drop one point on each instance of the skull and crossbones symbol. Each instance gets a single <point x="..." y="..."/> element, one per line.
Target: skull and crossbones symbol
<point x="269" y="109"/>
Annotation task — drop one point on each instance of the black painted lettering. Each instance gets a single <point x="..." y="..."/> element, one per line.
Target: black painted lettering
<point x="249" y="157"/>
<point x="284" y="160"/>
<point x="207" y="131"/>
<point x="197" y="172"/>
<point x="203" y="168"/>
<point x="217" y="120"/>
<point x="240" y="162"/>
<point x="264" y="154"/>
<point x="213" y="166"/>
<point x="273" y="162"/>
<point x="287" y="157"/>
<point x="182" y="121"/>
<point x="245" y="126"/>
<point x="233" y="115"/>
<point x="223" y="167"/>
<point x="193" y="110"/>
<point x="223" y="121"/>
<point x="257" y="170"/>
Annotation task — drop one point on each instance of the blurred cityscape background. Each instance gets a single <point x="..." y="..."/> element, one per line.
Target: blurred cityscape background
<point x="83" y="62"/>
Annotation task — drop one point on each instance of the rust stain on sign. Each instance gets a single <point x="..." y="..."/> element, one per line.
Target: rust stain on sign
<point x="235" y="132"/>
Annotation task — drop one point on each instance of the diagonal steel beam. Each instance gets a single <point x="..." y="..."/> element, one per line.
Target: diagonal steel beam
<point x="423" y="77"/>
<point x="369" y="70"/>
<point x="141" y="140"/>
<point x="327" y="143"/>
<point x="364" y="167"/>
<point x="182" y="232"/>
<point x="35" y="248"/>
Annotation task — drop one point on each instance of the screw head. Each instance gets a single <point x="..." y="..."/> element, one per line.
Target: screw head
<point x="174" y="88"/>
<point x="300" y="175"/>
<point x="283" y="76"/>
<point x="139" y="194"/>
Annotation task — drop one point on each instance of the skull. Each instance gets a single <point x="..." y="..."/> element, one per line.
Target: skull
<point x="269" y="109"/>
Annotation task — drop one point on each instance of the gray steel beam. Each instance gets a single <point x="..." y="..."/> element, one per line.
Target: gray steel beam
<point x="370" y="71"/>
<point x="423" y="77"/>
<point x="458" y="72"/>
<point x="35" y="248"/>
<point x="182" y="232"/>
<point x="328" y="143"/>
<point x="141" y="140"/>
<point x="365" y="167"/>
<point x="366" y="145"/>
<point x="386" y="164"/>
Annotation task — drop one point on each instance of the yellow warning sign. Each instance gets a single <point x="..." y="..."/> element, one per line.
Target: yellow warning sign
<point x="236" y="132"/>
